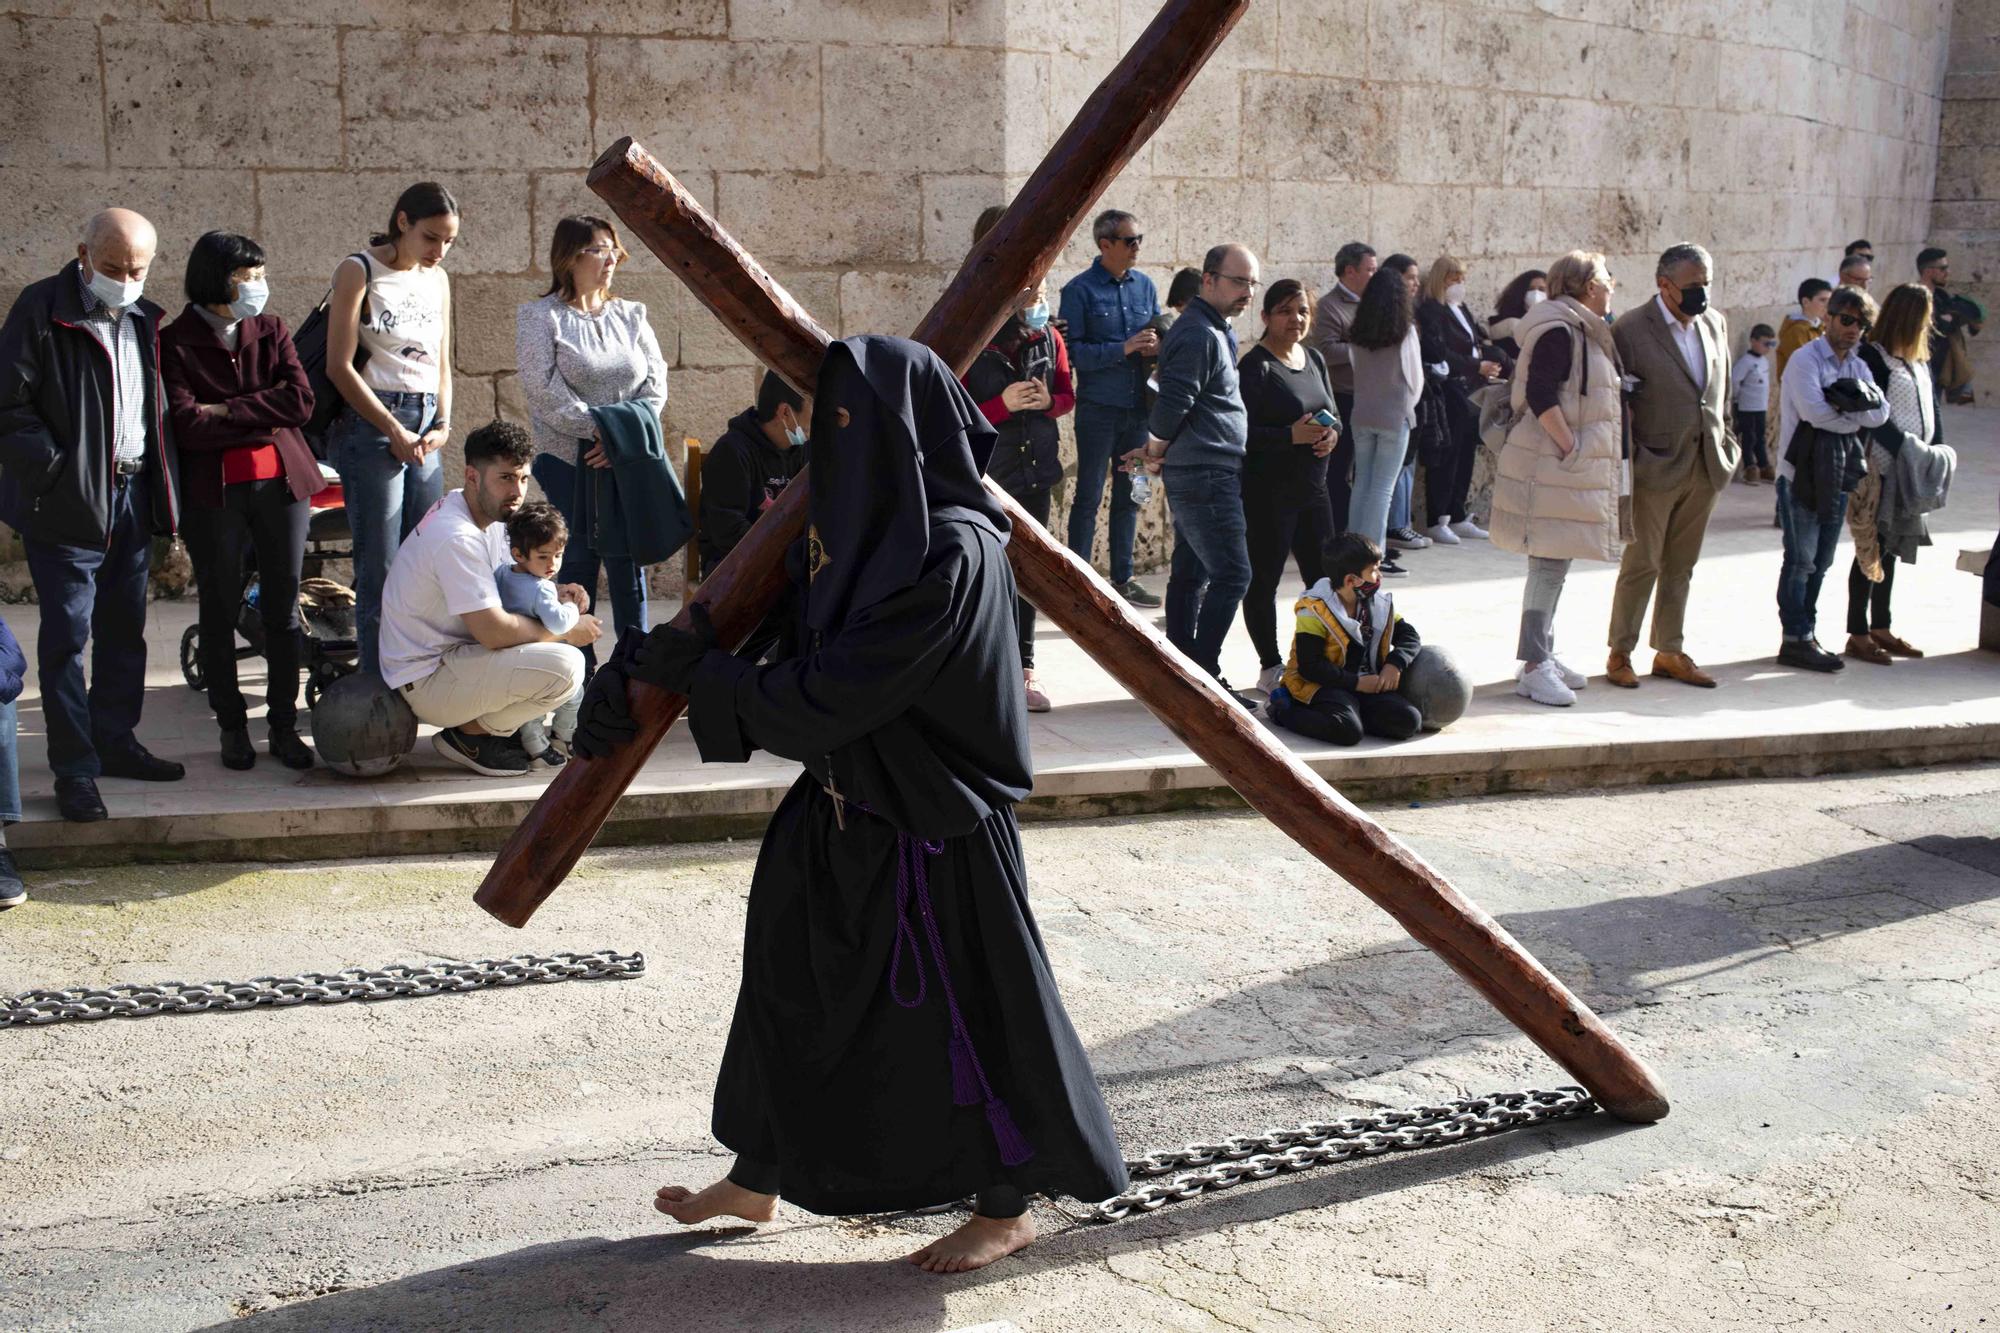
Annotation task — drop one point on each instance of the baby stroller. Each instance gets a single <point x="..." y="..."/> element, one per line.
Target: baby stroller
<point x="328" y="647"/>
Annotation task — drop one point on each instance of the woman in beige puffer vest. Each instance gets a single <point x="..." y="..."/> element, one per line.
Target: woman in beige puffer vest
<point x="1562" y="469"/>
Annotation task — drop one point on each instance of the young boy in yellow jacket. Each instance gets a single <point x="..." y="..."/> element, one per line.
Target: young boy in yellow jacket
<point x="1349" y="652"/>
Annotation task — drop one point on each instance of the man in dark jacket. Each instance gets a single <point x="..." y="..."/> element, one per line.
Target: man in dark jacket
<point x="742" y="475"/>
<point x="87" y="477"/>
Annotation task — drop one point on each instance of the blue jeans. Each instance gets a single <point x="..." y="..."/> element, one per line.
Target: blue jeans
<point x="1211" y="565"/>
<point x="1399" y="499"/>
<point x="1809" y="548"/>
<point x="97" y="596"/>
<point x="384" y="498"/>
<point x="1103" y="436"/>
<point x="10" y="765"/>
<point x="1378" y="471"/>
<point x="581" y="562"/>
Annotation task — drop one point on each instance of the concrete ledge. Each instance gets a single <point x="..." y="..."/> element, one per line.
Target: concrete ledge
<point x="482" y="823"/>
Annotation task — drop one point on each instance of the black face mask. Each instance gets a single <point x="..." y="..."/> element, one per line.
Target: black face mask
<point x="1367" y="591"/>
<point x="1694" y="300"/>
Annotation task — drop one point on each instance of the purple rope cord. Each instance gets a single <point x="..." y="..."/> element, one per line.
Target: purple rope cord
<point x="969" y="1084"/>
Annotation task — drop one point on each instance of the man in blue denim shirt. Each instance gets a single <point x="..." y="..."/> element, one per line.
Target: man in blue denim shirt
<point x="1106" y="310"/>
<point x="1199" y="433"/>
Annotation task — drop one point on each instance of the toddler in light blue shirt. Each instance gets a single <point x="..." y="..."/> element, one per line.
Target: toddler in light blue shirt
<point x="537" y="535"/>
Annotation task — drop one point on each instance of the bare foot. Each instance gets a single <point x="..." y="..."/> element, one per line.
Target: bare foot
<point x="724" y="1198"/>
<point x="976" y="1244"/>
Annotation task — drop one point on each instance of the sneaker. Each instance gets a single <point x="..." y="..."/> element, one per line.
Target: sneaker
<point x="1245" y="697"/>
<point x="1568" y="674"/>
<point x="1544" y="684"/>
<point x="1037" y="701"/>
<point x="12" y="891"/>
<point x="1807" y="655"/>
<point x="1465" y="527"/>
<point x="1137" y="594"/>
<point x="1268" y="679"/>
<point x="1392" y="570"/>
<point x="1407" y="539"/>
<point x="548" y="760"/>
<point x="490" y="756"/>
<point x="1442" y="535"/>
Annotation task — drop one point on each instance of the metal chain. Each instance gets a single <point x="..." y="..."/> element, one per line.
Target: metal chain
<point x="37" y="1008"/>
<point x="1242" y="1157"/>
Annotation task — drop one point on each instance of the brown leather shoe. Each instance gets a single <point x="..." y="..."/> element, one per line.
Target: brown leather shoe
<point x="1865" y="648"/>
<point x="1900" y="647"/>
<point x="1770" y="473"/>
<point x="1681" y="667"/>
<point x="1618" y="670"/>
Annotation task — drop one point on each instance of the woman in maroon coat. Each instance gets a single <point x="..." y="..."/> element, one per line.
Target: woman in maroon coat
<point x="237" y="396"/>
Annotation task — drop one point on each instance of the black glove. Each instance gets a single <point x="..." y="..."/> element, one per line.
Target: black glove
<point x="669" y="656"/>
<point x="1853" y="396"/>
<point x="603" y="720"/>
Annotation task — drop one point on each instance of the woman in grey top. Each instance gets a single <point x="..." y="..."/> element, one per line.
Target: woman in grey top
<point x="1388" y="379"/>
<point x="577" y="348"/>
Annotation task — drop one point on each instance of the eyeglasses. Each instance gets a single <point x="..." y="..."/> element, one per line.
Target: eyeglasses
<point x="1134" y="241"/>
<point x="600" y="252"/>
<point x="1249" y="284"/>
<point x="1855" y="321"/>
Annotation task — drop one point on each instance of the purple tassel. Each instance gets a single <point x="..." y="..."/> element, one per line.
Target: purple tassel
<point x="1013" y="1145"/>
<point x="964" y="1077"/>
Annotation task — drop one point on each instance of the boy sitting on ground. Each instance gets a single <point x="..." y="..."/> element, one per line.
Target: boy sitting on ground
<point x="536" y="537"/>
<point x="1349" y="653"/>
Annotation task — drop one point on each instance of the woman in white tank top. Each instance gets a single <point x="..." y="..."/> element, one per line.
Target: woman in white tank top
<point x="391" y="305"/>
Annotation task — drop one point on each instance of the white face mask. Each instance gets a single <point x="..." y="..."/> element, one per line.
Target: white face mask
<point x="250" y="297"/>
<point x="114" y="293"/>
<point x="1532" y="298"/>
<point x="1455" y="294"/>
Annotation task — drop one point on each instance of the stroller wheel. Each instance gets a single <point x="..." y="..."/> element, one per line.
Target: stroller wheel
<point x="191" y="657"/>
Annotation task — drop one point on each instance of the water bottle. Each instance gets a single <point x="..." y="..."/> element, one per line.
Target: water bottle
<point x="1142" y="488"/>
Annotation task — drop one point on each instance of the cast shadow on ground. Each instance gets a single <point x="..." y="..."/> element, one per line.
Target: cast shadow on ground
<point x="694" y="1282"/>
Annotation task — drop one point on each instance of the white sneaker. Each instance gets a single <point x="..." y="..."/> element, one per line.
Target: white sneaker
<point x="1465" y="527"/>
<point x="1269" y="678"/>
<point x="1038" y="702"/>
<point x="1545" y="686"/>
<point x="1442" y="534"/>
<point x="1568" y="674"/>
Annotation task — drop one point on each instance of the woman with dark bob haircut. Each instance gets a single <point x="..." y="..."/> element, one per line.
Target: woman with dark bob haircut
<point x="238" y="395"/>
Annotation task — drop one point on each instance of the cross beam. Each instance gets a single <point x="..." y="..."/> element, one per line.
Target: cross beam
<point x="1263" y="770"/>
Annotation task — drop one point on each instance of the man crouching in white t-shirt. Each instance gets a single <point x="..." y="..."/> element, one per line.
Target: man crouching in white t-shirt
<point x="461" y="661"/>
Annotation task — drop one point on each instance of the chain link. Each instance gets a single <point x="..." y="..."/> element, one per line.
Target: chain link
<point x="38" y="1008"/>
<point x="1241" y="1157"/>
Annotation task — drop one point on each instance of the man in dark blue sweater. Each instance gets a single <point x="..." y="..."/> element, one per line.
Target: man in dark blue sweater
<point x="1199" y="433"/>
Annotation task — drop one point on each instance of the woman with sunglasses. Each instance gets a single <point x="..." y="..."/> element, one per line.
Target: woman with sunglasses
<point x="580" y="347"/>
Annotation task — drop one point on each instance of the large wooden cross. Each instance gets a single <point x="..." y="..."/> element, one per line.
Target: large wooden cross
<point x="1113" y="124"/>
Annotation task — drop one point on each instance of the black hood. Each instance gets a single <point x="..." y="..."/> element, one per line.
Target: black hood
<point x="911" y="455"/>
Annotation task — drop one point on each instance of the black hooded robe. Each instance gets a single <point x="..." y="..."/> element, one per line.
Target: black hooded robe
<point x="872" y="1080"/>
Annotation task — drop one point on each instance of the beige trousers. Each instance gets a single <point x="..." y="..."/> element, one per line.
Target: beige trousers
<point x="498" y="690"/>
<point x="1667" y="531"/>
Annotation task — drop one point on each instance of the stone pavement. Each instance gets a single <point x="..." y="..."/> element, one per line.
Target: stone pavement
<point x="1099" y="751"/>
<point x="1812" y="967"/>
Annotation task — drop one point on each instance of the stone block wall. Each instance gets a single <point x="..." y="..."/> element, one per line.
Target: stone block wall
<point x="850" y="143"/>
<point x="1966" y="218"/>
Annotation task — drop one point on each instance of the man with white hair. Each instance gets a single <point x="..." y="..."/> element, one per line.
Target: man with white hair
<point x="87" y="479"/>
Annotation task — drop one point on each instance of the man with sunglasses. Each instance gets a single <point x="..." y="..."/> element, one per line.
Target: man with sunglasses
<point x="1827" y="389"/>
<point x="1106" y="312"/>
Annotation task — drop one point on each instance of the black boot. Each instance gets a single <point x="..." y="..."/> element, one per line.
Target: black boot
<point x="288" y="749"/>
<point x="236" y="750"/>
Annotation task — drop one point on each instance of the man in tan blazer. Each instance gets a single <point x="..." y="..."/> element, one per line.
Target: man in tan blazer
<point x="1683" y="455"/>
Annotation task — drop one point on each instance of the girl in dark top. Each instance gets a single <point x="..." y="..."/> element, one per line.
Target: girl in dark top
<point x="1293" y="427"/>
<point x="1022" y="384"/>
<point x="1525" y="292"/>
<point x="1453" y="337"/>
<point x="238" y="395"/>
